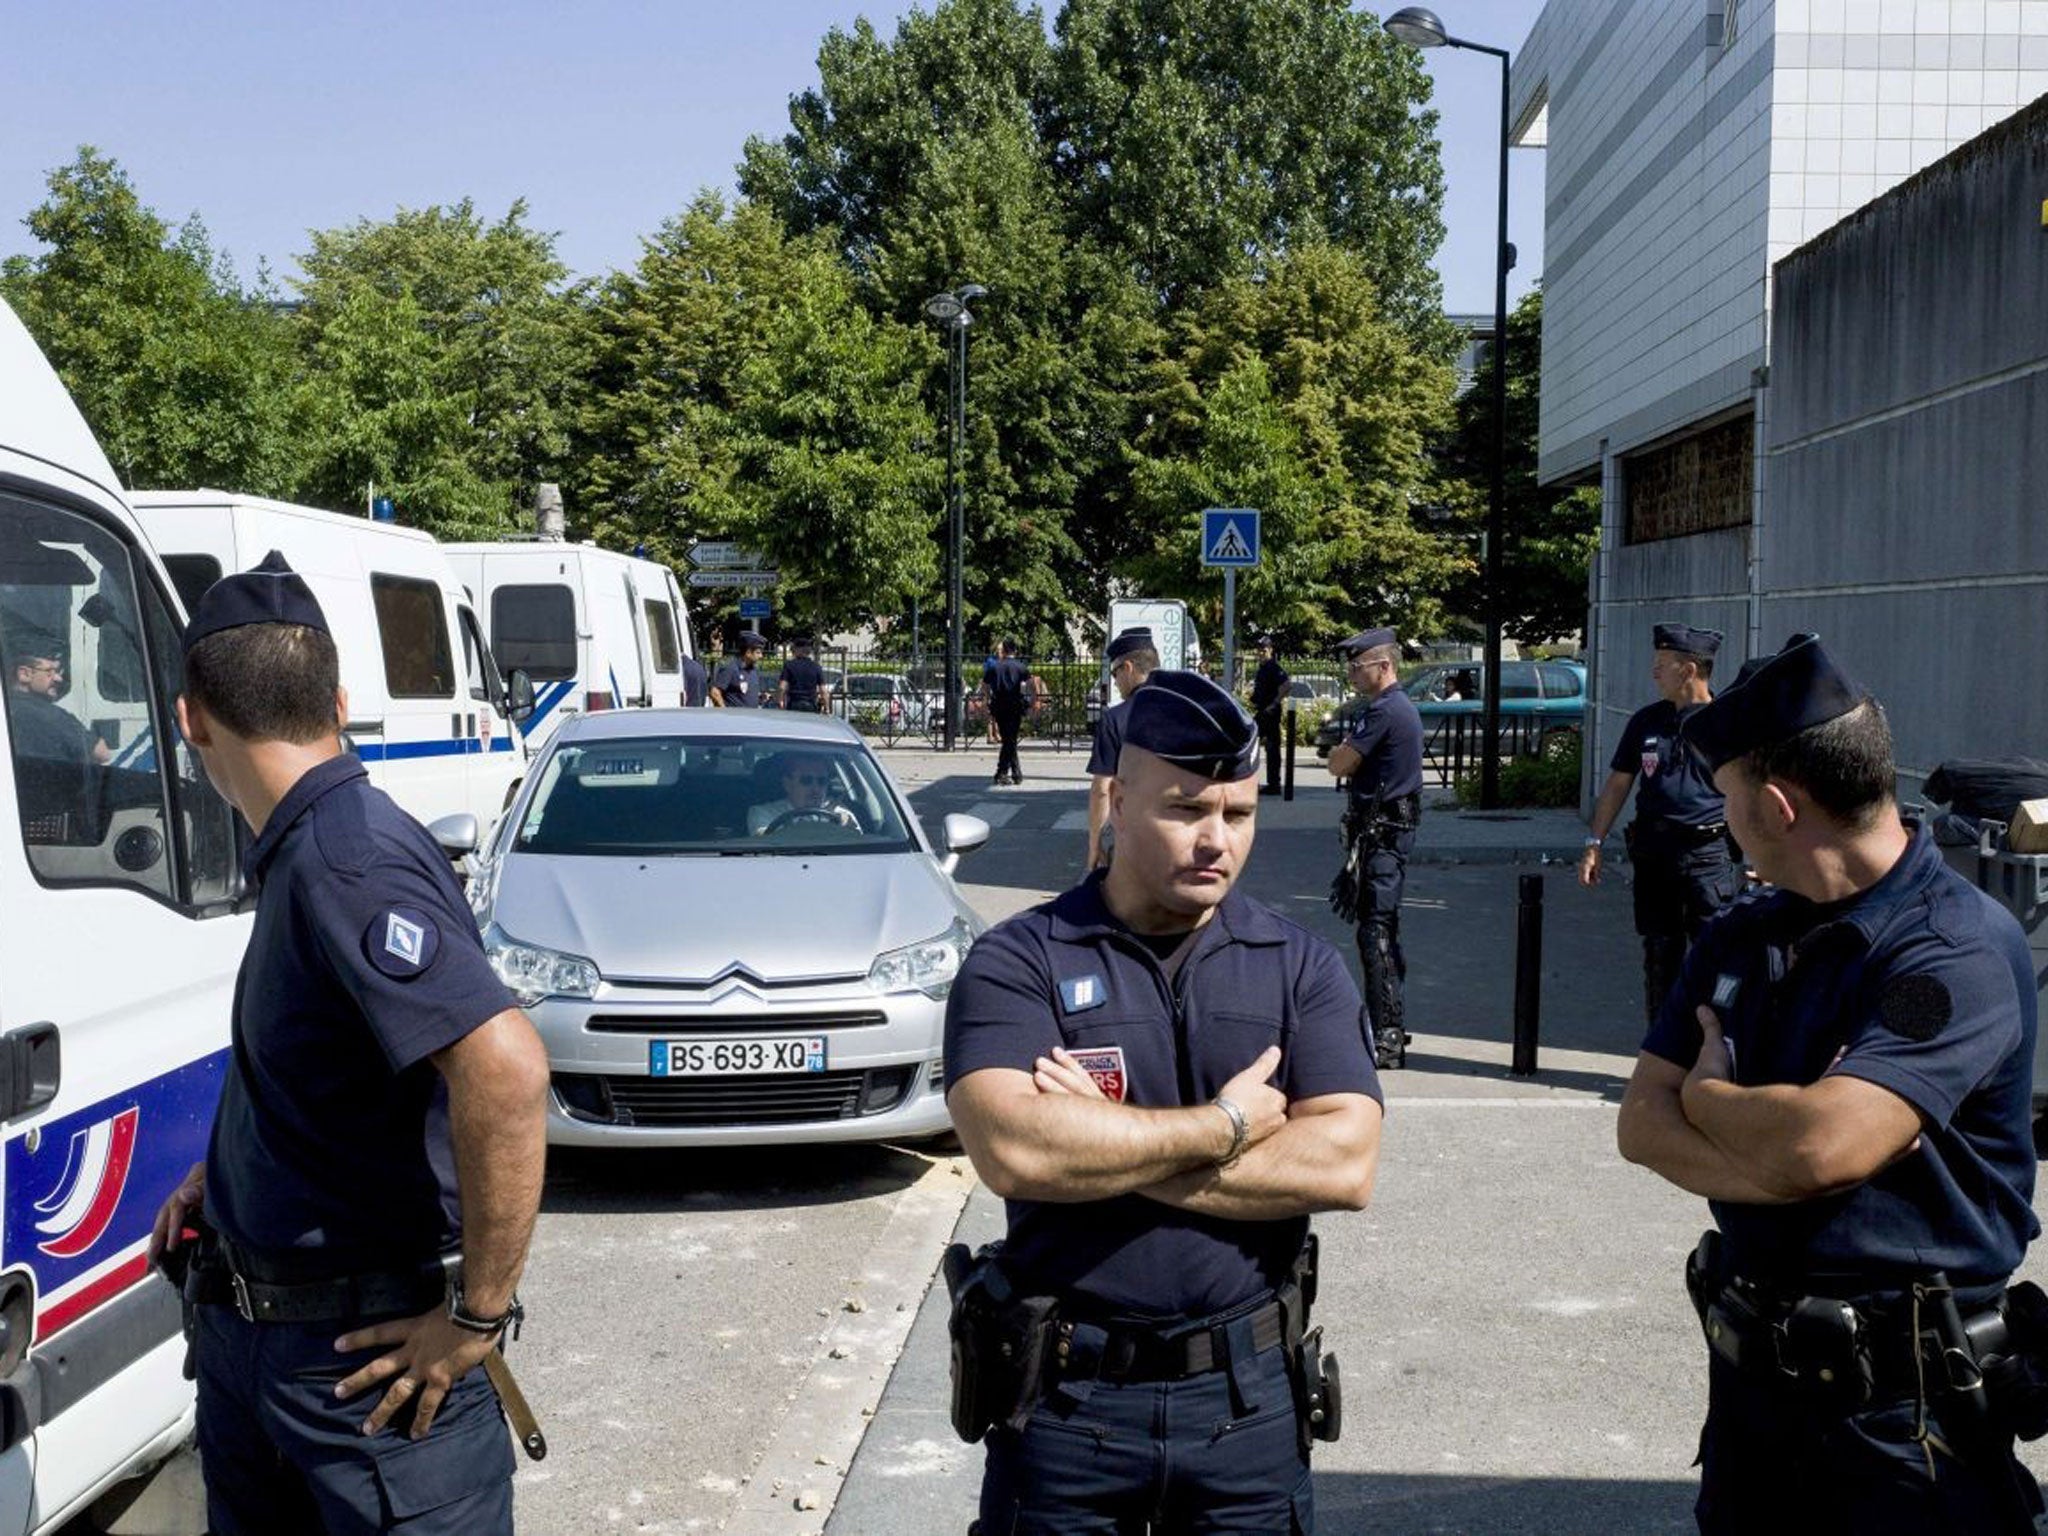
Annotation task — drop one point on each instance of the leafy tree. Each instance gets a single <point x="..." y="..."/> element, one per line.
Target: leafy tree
<point x="460" y="417"/>
<point x="740" y="389"/>
<point x="1295" y="394"/>
<point x="1552" y="532"/>
<point x="185" y="377"/>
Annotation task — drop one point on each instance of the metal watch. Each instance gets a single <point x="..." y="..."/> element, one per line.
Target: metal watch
<point x="1240" y="1130"/>
<point x="460" y="1315"/>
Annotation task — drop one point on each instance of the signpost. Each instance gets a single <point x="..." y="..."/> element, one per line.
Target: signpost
<point x="756" y="608"/>
<point x="724" y="555"/>
<point x="1230" y="539"/>
<point x="749" y="580"/>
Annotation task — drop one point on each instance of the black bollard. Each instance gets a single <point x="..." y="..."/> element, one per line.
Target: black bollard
<point x="1528" y="975"/>
<point x="1287" y="771"/>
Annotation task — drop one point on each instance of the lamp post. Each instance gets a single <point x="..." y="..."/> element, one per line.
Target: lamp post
<point x="951" y="312"/>
<point x="1421" y="28"/>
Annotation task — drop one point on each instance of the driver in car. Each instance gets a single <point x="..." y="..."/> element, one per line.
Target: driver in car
<point x="806" y="800"/>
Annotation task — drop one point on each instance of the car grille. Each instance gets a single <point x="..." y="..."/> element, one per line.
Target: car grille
<point x="731" y="1023"/>
<point x="791" y="1099"/>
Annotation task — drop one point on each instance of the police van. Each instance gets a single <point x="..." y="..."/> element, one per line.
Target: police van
<point x="593" y="629"/>
<point x="429" y="713"/>
<point x="121" y="935"/>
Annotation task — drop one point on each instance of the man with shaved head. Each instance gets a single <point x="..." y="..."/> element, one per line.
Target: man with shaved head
<point x="1164" y="1079"/>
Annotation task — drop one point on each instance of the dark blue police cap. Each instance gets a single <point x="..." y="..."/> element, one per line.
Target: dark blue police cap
<point x="272" y="593"/>
<point x="1366" y="640"/>
<point x="1773" y="699"/>
<point x="1129" y="640"/>
<point x="1263" y="640"/>
<point x="1686" y="640"/>
<point x="751" y="637"/>
<point x="1191" y="723"/>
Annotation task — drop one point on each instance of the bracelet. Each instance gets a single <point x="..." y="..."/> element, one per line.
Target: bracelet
<point x="1595" y="842"/>
<point x="1240" y="1130"/>
<point x="460" y="1315"/>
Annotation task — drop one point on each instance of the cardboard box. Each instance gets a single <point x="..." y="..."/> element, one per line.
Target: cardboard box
<point x="2029" y="830"/>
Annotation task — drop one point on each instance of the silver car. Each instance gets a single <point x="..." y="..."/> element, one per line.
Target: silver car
<point x="729" y="928"/>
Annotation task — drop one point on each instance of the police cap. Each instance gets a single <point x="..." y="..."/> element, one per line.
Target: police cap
<point x="1137" y="638"/>
<point x="1193" y="724"/>
<point x="1773" y="699"/>
<point x="1264" y="642"/>
<point x="1366" y="640"/>
<point x="272" y="593"/>
<point x="751" y="639"/>
<point x="1686" y="640"/>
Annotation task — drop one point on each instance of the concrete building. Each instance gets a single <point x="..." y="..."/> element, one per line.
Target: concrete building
<point x="1691" y="144"/>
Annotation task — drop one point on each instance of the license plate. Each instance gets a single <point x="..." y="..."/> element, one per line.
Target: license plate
<point x="735" y="1058"/>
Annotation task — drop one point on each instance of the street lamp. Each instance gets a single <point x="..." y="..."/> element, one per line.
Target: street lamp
<point x="1421" y="28"/>
<point x="951" y="312"/>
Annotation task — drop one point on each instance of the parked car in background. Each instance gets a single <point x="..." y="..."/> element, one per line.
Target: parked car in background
<point x="880" y="701"/>
<point x="1546" y="698"/>
<point x="1313" y="688"/>
<point x="630" y="901"/>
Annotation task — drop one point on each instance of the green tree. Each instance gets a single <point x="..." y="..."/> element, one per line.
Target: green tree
<point x="1552" y="531"/>
<point x="1293" y="393"/>
<point x="740" y="389"/>
<point x="185" y="376"/>
<point x="443" y="351"/>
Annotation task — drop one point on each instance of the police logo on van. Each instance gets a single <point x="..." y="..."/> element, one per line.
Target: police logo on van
<point x="402" y="942"/>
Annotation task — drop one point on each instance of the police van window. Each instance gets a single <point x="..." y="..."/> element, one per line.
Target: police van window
<point x="661" y="636"/>
<point x="101" y="801"/>
<point x="414" y="629"/>
<point x="1560" y="682"/>
<point x="192" y="575"/>
<point x="534" y="628"/>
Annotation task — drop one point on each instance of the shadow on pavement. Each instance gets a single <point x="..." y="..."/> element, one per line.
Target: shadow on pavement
<point x="650" y="1179"/>
<point x="1608" y="1085"/>
<point x="1392" y="1504"/>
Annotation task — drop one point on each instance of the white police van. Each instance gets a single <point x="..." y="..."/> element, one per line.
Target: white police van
<point x="593" y="629"/>
<point x="118" y="950"/>
<point x="429" y="713"/>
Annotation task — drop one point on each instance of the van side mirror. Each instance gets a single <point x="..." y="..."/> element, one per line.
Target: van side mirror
<point x="457" y="834"/>
<point x="518" y="696"/>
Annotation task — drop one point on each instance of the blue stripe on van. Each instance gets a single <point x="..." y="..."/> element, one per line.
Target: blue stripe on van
<point x="546" y="699"/>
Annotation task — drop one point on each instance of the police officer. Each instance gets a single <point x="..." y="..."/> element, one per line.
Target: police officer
<point x="1006" y="687"/>
<point x="42" y="728"/>
<point x="382" y="1111"/>
<point x="696" y="683"/>
<point x="1159" y="1075"/>
<point x="737" y="683"/>
<point x="1383" y="760"/>
<point x="1843" y="1071"/>
<point x="802" y="684"/>
<point x="1132" y="658"/>
<point x="1269" y="693"/>
<point x="1678" y="842"/>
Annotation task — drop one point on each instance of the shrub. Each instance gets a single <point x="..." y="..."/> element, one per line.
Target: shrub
<point x="1546" y="778"/>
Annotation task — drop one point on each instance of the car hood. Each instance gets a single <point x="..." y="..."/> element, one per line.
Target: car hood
<point x="695" y="918"/>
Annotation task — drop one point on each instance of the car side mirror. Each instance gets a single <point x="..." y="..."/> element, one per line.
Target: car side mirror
<point x="458" y="834"/>
<point x="518" y="696"/>
<point x="963" y="834"/>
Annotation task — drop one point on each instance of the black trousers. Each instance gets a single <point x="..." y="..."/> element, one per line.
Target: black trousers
<point x="1681" y="880"/>
<point x="1383" y="877"/>
<point x="1269" y="743"/>
<point x="1008" y="723"/>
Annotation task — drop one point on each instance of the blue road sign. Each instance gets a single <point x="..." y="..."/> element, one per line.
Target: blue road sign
<point x="756" y="607"/>
<point x="1230" y="536"/>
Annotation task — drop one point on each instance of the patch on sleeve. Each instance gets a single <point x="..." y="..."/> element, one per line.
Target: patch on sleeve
<point x="1915" y="1008"/>
<point x="1104" y="1063"/>
<point x="401" y="941"/>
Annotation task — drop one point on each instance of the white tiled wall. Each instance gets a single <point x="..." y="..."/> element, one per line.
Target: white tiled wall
<point x="1647" y="295"/>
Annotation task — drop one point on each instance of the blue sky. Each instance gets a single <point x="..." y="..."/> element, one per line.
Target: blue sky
<point x="269" y="119"/>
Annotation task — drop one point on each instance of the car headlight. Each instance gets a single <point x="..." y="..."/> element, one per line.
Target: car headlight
<point x="534" y="973"/>
<point x="928" y="966"/>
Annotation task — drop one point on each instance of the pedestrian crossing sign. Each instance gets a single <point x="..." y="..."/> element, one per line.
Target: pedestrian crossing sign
<point x="1230" y="536"/>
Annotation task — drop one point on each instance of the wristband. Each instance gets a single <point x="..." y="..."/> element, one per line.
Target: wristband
<point x="460" y="1315"/>
<point x="1595" y="842"/>
<point x="1240" y="1131"/>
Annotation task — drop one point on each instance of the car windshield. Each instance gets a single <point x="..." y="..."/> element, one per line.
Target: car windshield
<point x="714" y="795"/>
<point x="868" y="685"/>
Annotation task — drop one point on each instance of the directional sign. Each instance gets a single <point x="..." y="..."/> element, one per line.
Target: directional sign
<point x="734" y="578"/>
<point x="724" y="555"/>
<point x="756" y="608"/>
<point x="1230" y="536"/>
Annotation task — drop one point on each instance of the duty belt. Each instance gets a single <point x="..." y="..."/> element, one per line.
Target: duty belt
<point x="1141" y="1354"/>
<point x="1685" y="832"/>
<point x="223" y="1277"/>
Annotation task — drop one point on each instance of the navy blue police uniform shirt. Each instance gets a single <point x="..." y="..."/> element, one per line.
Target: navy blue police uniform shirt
<point x="695" y="681"/>
<point x="1920" y="984"/>
<point x="1672" y="783"/>
<point x="1109" y="740"/>
<point x="1006" y="678"/>
<point x="805" y="677"/>
<point x="1069" y="974"/>
<point x="738" y="684"/>
<point x="1388" y="740"/>
<point x="332" y="1142"/>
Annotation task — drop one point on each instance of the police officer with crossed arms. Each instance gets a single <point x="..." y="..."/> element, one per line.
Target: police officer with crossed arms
<point x="383" y="1113"/>
<point x="1163" y="1079"/>
<point x="1843" y="1070"/>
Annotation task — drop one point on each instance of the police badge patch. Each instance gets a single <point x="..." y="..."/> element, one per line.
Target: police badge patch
<point x="401" y="941"/>
<point x="1080" y="993"/>
<point x="1652" y="758"/>
<point x="1104" y="1063"/>
<point x="1726" y="989"/>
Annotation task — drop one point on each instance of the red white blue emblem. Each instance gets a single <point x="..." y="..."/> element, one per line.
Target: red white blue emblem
<point x="1652" y="758"/>
<point x="75" y="1214"/>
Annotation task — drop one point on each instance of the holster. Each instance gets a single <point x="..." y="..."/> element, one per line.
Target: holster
<point x="2016" y="1377"/>
<point x="999" y="1343"/>
<point x="1318" y="1388"/>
